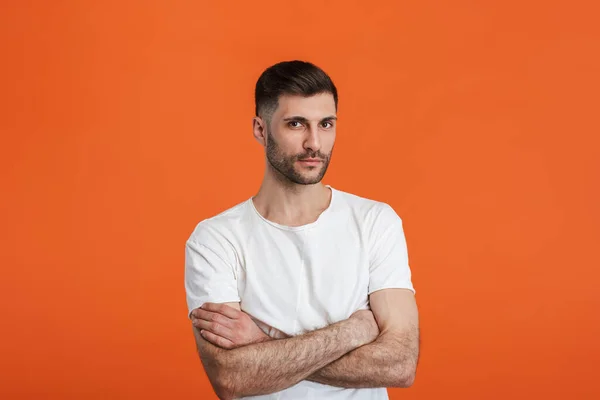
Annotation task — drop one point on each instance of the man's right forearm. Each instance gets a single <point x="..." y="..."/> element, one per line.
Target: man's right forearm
<point x="271" y="366"/>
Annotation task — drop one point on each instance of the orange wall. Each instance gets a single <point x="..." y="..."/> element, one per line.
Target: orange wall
<point x="125" y="123"/>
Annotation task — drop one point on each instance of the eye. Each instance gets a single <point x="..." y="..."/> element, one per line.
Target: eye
<point x="327" y="124"/>
<point x="294" y="124"/>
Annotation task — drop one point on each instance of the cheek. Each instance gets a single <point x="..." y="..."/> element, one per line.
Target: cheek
<point x="282" y="147"/>
<point x="290" y="146"/>
<point x="328" y="141"/>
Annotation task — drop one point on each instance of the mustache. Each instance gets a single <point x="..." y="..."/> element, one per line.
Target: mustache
<point x="316" y="154"/>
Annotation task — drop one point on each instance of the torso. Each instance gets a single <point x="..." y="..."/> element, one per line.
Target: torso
<point x="297" y="279"/>
<point x="292" y="280"/>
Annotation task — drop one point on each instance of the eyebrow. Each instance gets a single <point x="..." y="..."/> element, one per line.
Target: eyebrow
<point x="302" y="119"/>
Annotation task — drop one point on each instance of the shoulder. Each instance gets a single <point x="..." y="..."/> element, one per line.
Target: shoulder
<point x="367" y="210"/>
<point x="220" y="226"/>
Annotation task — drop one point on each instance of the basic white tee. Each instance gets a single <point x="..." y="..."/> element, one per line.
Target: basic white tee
<point x="298" y="279"/>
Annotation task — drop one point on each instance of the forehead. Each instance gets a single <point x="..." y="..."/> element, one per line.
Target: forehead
<point x="312" y="107"/>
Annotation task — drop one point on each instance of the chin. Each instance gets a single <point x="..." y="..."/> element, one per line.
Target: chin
<point x="311" y="181"/>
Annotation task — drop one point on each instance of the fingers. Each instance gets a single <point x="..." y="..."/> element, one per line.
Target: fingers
<point x="223" y="309"/>
<point x="216" y="340"/>
<point x="199" y="313"/>
<point x="213" y="327"/>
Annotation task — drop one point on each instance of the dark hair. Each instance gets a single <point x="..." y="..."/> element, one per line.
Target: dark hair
<point x="291" y="78"/>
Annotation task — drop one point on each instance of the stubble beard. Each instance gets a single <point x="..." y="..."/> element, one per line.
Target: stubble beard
<point x="285" y="165"/>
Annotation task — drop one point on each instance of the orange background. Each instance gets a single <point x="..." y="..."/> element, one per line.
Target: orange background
<point x="125" y="123"/>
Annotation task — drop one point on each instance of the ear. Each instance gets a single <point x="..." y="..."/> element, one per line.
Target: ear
<point x="259" y="130"/>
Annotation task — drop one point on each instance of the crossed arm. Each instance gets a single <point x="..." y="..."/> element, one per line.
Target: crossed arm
<point x="391" y="359"/>
<point x="377" y="348"/>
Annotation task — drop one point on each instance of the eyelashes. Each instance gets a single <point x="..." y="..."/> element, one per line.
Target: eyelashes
<point x="298" y="124"/>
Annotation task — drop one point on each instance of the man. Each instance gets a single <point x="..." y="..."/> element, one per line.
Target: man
<point x="302" y="291"/>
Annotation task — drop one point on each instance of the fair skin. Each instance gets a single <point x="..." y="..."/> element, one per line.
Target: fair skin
<point x="268" y="366"/>
<point x="388" y="361"/>
<point x="301" y="127"/>
<point x="372" y="348"/>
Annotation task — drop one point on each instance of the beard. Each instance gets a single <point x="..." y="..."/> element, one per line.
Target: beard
<point x="285" y="165"/>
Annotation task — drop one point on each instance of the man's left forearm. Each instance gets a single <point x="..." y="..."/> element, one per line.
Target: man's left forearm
<point x="389" y="361"/>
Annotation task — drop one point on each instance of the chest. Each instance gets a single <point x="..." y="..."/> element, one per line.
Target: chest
<point x="304" y="280"/>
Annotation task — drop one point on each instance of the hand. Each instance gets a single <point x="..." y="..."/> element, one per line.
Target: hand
<point x="226" y="327"/>
<point x="367" y="328"/>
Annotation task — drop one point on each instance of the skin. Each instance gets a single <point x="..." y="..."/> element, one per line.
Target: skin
<point x="389" y="361"/>
<point x="291" y="192"/>
<point x="264" y="367"/>
<point x="372" y="348"/>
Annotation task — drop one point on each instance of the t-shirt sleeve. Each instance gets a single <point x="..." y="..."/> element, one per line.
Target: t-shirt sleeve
<point x="389" y="267"/>
<point x="209" y="275"/>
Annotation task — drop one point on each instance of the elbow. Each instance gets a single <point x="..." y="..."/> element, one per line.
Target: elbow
<point x="223" y="393"/>
<point x="222" y="382"/>
<point x="405" y="378"/>
<point x="223" y="390"/>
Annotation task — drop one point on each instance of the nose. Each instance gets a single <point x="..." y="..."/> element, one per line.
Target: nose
<point x="312" y="141"/>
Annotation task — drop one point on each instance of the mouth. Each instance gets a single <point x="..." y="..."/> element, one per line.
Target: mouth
<point x="311" y="160"/>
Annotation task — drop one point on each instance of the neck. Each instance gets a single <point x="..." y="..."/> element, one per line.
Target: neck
<point x="291" y="204"/>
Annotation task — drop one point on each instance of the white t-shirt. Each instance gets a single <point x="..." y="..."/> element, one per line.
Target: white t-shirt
<point x="298" y="279"/>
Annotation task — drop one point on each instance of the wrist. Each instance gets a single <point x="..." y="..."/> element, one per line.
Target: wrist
<point x="353" y="331"/>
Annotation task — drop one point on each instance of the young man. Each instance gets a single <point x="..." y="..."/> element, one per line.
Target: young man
<point x="302" y="291"/>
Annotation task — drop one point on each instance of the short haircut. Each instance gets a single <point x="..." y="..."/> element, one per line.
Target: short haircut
<point x="290" y="78"/>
